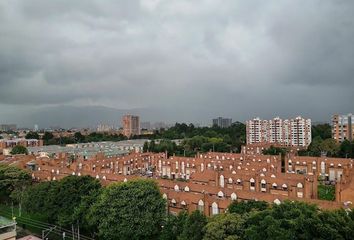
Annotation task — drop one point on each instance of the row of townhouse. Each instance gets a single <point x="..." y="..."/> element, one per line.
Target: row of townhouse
<point x="211" y="181"/>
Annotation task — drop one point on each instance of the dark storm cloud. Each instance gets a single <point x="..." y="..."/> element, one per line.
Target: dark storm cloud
<point x="190" y="60"/>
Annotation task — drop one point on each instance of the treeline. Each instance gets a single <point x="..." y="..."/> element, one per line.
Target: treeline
<point x="323" y="144"/>
<point x="136" y="210"/>
<point x="198" y="139"/>
<point x="49" y="139"/>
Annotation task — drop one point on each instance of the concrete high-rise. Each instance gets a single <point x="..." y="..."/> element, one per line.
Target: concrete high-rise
<point x="288" y="132"/>
<point x="342" y="127"/>
<point x="131" y="125"/>
<point x="222" y="122"/>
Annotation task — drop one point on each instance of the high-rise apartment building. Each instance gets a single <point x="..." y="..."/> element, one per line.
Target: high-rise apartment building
<point x="131" y="125"/>
<point x="288" y="132"/>
<point x="342" y="127"/>
<point x="222" y="122"/>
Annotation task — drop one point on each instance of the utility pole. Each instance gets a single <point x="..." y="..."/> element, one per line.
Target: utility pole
<point x="73" y="232"/>
<point x="78" y="231"/>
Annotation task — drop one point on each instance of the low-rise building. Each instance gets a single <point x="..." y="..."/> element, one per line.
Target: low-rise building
<point x="7" y="229"/>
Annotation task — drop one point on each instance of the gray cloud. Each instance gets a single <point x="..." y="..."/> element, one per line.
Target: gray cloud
<point x="184" y="60"/>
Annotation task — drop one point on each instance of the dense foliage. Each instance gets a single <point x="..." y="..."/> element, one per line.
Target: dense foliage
<point x="12" y="182"/>
<point x="184" y="226"/>
<point x="198" y="139"/>
<point x="274" y="151"/>
<point x="19" y="149"/>
<point x="77" y="137"/>
<point x="131" y="210"/>
<point x="57" y="200"/>
<point x="32" y="135"/>
<point x="245" y="207"/>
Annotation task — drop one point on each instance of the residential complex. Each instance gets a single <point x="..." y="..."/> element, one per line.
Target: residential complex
<point x="289" y="132"/>
<point x="342" y="127"/>
<point x="131" y="125"/>
<point x="209" y="181"/>
<point x="10" y="143"/>
<point x="222" y="122"/>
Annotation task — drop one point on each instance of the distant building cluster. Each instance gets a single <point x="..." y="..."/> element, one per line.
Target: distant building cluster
<point x="342" y="127"/>
<point x="10" y="143"/>
<point x="8" y="127"/>
<point x="289" y="132"/>
<point x="222" y="122"/>
<point x="104" y="128"/>
<point x="131" y="125"/>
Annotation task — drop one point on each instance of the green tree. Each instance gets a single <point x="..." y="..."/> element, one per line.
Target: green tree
<point x="228" y="226"/>
<point x="170" y="230"/>
<point x="335" y="225"/>
<point x="136" y="209"/>
<point x="81" y="214"/>
<point x="289" y="220"/>
<point x="173" y="226"/>
<point x="274" y="151"/>
<point x="324" y="131"/>
<point x="246" y="207"/>
<point x="58" y="199"/>
<point x="193" y="228"/>
<point x="48" y="138"/>
<point x="146" y="147"/>
<point x="79" y="137"/>
<point x="32" y="135"/>
<point x="19" y="149"/>
<point x="346" y="149"/>
<point x="12" y="181"/>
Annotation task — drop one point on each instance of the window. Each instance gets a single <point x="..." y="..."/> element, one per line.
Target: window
<point x="252" y="182"/>
<point x="186" y="189"/>
<point x="233" y="196"/>
<point x="201" y="205"/>
<point x="220" y="194"/>
<point x="263" y="185"/>
<point x="222" y="181"/>
<point x="176" y="188"/>
<point x="214" y="208"/>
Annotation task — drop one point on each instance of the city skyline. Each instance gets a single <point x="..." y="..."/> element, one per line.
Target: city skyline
<point x="176" y="60"/>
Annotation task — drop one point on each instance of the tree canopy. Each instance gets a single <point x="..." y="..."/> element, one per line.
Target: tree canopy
<point x="130" y="210"/>
<point x="32" y="135"/>
<point x="19" y="149"/>
<point x="58" y="199"/>
<point x="12" y="179"/>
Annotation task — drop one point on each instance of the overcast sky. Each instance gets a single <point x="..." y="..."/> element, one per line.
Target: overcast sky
<point x="185" y="60"/>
